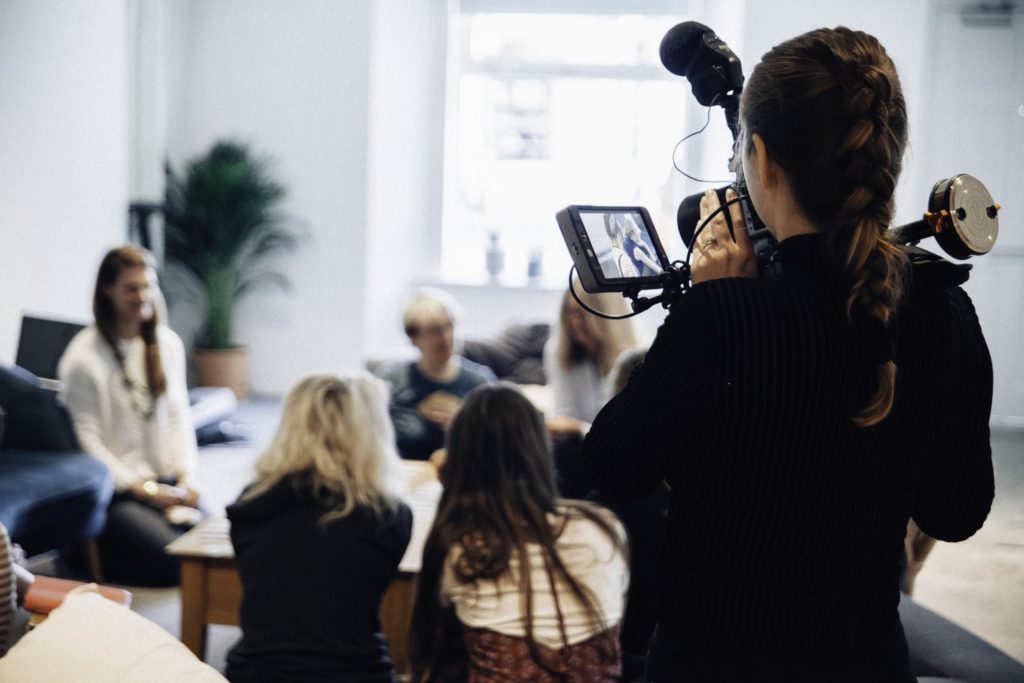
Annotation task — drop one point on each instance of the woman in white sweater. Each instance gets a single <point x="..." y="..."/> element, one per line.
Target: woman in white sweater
<point x="124" y="385"/>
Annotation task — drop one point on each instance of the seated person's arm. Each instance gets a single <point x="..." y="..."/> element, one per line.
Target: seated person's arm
<point x="411" y="428"/>
<point x="439" y="407"/>
<point x="24" y="578"/>
<point x="563" y="427"/>
<point x="410" y="425"/>
<point x="641" y="255"/>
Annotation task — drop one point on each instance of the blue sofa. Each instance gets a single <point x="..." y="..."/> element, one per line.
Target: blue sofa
<point x="52" y="495"/>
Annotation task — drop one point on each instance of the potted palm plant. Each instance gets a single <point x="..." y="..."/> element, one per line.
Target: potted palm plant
<point x="223" y="225"/>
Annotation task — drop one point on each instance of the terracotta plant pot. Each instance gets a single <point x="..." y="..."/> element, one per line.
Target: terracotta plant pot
<point x="222" y="368"/>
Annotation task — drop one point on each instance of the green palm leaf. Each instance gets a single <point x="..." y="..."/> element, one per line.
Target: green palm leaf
<point x="223" y="226"/>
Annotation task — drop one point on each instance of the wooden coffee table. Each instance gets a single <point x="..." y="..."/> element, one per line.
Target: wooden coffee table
<point x="211" y="591"/>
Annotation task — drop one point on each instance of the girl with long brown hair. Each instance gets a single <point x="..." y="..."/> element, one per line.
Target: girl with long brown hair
<point x="534" y="584"/>
<point x="758" y="400"/>
<point x="124" y="385"/>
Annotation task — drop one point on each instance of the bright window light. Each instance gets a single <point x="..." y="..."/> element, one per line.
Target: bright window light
<point x="546" y="110"/>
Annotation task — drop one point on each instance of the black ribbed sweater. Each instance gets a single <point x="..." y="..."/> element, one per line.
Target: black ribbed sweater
<point x="786" y="523"/>
<point x="312" y="590"/>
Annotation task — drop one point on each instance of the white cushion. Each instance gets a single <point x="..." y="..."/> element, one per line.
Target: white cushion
<point x="91" y="639"/>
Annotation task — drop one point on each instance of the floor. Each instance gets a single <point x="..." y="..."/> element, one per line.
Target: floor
<point x="978" y="584"/>
<point x="224" y="469"/>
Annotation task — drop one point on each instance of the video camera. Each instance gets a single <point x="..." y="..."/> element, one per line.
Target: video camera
<point x="617" y="249"/>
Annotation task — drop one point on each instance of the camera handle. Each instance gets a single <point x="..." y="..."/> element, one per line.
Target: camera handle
<point x="674" y="281"/>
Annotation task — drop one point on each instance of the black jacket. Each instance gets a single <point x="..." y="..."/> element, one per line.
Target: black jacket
<point x="312" y="591"/>
<point x="786" y="522"/>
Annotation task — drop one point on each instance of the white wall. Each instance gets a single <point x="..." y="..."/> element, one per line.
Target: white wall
<point x="292" y="78"/>
<point x="975" y="126"/>
<point x="406" y="162"/>
<point x="348" y="98"/>
<point x="63" y="155"/>
<point x="899" y="26"/>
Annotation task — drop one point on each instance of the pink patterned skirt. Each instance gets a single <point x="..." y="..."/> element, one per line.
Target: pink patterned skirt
<point x="494" y="658"/>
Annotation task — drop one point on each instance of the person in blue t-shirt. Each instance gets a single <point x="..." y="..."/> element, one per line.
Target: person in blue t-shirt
<point x="425" y="393"/>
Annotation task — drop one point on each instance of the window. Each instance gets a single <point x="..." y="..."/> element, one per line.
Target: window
<point x="548" y="109"/>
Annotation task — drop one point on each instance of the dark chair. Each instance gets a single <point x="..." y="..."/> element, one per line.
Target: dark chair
<point x="52" y="495"/>
<point x="42" y="342"/>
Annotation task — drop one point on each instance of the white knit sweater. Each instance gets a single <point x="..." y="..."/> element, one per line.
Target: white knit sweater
<point x="589" y="555"/>
<point x="109" y="416"/>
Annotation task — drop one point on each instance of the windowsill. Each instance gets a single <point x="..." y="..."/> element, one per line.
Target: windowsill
<point x="499" y="285"/>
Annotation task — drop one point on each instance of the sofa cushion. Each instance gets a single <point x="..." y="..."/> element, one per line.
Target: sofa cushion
<point x="89" y="638"/>
<point x="516" y="355"/>
<point x="51" y="499"/>
<point x="942" y="650"/>
<point x="35" y="418"/>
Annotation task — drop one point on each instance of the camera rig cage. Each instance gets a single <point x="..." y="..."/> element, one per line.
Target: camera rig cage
<point x="961" y="214"/>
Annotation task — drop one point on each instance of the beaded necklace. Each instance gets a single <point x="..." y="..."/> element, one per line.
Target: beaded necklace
<point x="135" y="389"/>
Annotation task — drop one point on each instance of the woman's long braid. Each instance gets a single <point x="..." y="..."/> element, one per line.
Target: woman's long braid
<point x="870" y="156"/>
<point x="830" y="110"/>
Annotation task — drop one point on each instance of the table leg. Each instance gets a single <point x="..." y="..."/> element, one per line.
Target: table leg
<point x="395" y="617"/>
<point x="193" y="605"/>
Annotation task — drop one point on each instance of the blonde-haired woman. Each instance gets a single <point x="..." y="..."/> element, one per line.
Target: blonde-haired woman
<point x="318" y="537"/>
<point x="582" y="351"/>
<point x="578" y="359"/>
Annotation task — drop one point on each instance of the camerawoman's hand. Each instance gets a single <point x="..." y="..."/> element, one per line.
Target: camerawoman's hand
<point x="716" y="254"/>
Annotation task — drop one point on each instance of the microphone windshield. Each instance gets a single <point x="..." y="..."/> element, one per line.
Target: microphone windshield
<point x="680" y="45"/>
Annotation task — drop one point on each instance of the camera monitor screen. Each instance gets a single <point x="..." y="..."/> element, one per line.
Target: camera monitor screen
<point x="614" y="248"/>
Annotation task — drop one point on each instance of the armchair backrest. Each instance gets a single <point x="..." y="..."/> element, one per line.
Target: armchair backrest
<point x="41" y="343"/>
<point x="35" y="418"/>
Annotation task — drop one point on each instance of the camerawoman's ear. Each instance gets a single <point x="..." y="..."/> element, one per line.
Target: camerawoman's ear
<point x="759" y="172"/>
<point x="768" y="186"/>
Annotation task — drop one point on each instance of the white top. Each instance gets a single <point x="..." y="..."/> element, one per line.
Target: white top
<point x="588" y="554"/>
<point x="107" y="418"/>
<point x="578" y="392"/>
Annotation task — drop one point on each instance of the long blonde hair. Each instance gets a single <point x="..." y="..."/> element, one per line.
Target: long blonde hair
<point x="335" y="431"/>
<point x="612" y="336"/>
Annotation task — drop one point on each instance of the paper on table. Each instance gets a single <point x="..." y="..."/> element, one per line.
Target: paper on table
<point x="417" y="484"/>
